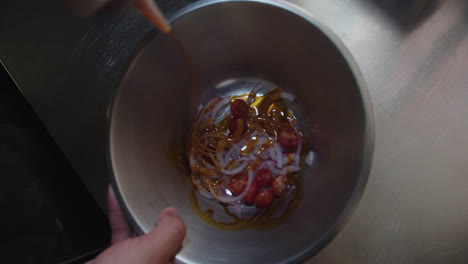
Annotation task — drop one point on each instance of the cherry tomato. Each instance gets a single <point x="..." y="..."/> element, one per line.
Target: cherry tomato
<point x="264" y="199"/>
<point x="239" y="109"/>
<point x="263" y="177"/>
<point x="283" y="126"/>
<point x="242" y="176"/>
<point x="289" y="138"/>
<point x="237" y="183"/>
<point x="233" y="126"/>
<point x="280" y="185"/>
<point x="250" y="197"/>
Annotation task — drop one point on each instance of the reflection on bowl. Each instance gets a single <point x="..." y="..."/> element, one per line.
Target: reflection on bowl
<point x="230" y="42"/>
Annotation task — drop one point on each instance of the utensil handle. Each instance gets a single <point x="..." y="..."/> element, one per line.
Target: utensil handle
<point x="152" y="12"/>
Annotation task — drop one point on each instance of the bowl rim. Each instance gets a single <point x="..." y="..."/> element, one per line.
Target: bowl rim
<point x="369" y="137"/>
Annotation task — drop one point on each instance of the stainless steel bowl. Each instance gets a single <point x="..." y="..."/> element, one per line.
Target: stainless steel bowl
<point x="232" y="40"/>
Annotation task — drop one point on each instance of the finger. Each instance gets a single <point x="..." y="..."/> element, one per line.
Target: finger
<point x="162" y="243"/>
<point x="119" y="226"/>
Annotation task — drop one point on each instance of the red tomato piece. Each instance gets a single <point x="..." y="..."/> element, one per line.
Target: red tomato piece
<point x="237" y="183"/>
<point x="250" y="197"/>
<point x="283" y="126"/>
<point x="242" y="176"/>
<point x="263" y="177"/>
<point x="289" y="138"/>
<point x="233" y="126"/>
<point x="239" y="109"/>
<point x="264" y="199"/>
<point x="280" y="185"/>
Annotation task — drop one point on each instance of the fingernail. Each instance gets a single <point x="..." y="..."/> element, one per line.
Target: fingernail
<point x="167" y="214"/>
<point x="172" y="211"/>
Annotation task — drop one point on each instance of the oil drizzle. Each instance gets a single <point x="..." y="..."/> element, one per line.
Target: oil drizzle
<point x="260" y="221"/>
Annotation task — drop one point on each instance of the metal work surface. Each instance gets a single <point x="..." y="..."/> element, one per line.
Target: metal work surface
<point x="414" y="58"/>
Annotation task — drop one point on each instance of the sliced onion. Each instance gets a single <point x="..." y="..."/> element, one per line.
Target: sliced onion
<point x="297" y="158"/>
<point x="227" y="158"/>
<point x="260" y="142"/>
<point x="276" y="155"/>
<point x="232" y="199"/>
<point x="200" y="117"/>
<point x="279" y="156"/>
<point x="235" y="149"/>
<point x="220" y="156"/>
<point x="264" y="155"/>
<point x="206" y="194"/>
<point x="273" y="169"/>
<point x="289" y="169"/>
<point x="238" y="208"/>
<point x="219" y="105"/>
<point x="273" y="154"/>
<point x="288" y="96"/>
<point x="232" y="153"/>
<point x="265" y="164"/>
<point x="255" y="90"/>
<point x="221" y="161"/>
<point x="286" y="159"/>
<point x="192" y="159"/>
<point x="197" y="182"/>
<point x="238" y="146"/>
<point x="249" y="100"/>
<point x="208" y="166"/>
<point x="213" y="192"/>
<point x="309" y="159"/>
<point x="203" y="116"/>
<point x="236" y="170"/>
<point x="254" y="134"/>
<point x="213" y="101"/>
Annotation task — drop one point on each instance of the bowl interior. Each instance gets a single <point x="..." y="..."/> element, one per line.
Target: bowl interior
<point x="240" y="40"/>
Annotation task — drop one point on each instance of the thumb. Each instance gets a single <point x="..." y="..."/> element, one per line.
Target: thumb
<point x="162" y="243"/>
<point x="157" y="247"/>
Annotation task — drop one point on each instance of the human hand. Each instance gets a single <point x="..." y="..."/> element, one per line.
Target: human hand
<point x="157" y="247"/>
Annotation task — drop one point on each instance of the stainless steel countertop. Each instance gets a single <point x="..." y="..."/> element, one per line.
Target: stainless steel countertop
<point x="413" y="55"/>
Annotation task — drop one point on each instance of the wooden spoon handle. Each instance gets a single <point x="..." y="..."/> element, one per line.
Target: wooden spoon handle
<point x="152" y="12"/>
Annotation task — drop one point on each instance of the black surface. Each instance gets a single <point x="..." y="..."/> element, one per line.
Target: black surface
<point x="47" y="215"/>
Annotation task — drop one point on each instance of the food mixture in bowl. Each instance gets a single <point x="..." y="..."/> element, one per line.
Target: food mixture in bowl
<point x="246" y="152"/>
